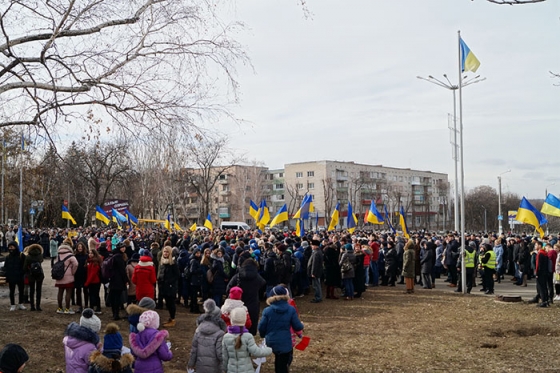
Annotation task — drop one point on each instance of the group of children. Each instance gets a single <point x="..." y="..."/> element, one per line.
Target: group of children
<point x="221" y="342"/>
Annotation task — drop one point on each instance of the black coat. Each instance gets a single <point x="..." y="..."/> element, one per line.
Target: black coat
<point x="272" y="278"/>
<point x="359" y="273"/>
<point x="332" y="268"/>
<point x="168" y="279"/>
<point x="251" y="282"/>
<point x="391" y="262"/>
<point x="219" y="284"/>
<point x="14" y="266"/>
<point x="119" y="278"/>
<point x="196" y="272"/>
<point x="315" y="264"/>
<point x="80" y="275"/>
<point x="426" y="260"/>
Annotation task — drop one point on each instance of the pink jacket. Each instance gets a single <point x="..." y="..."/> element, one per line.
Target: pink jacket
<point x="71" y="264"/>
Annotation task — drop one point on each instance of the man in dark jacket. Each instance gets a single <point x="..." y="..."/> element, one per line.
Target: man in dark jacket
<point x="315" y="270"/>
<point x="451" y="256"/>
<point x="426" y="255"/>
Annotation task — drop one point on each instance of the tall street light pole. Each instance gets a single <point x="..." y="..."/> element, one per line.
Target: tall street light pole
<point x="500" y="216"/>
<point x="453" y="88"/>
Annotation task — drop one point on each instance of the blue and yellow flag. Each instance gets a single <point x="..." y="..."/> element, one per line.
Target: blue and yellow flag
<point x="132" y="220"/>
<point x="101" y="215"/>
<point x="19" y="238"/>
<point x="303" y="212"/>
<point x="193" y="227"/>
<point x="118" y="217"/>
<point x="403" y="223"/>
<point x="208" y="222"/>
<point x="167" y="224"/>
<point x="334" y="218"/>
<point x="177" y="227"/>
<point x="281" y="216"/>
<point x="254" y="210"/>
<point x="66" y="215"/>
<point x="373" y="216"/>
<point x="388" y="217"/>
<point x="264" y="215"/>
<point x="350" y="222"/>
<point x="529" y="215"/>
<point x="469" y="62"/>
<point x="551" y="205"/>
<point x="300" y="231"/>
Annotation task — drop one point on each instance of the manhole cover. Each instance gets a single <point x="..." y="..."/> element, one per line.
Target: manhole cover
<point x="508" y="298"/>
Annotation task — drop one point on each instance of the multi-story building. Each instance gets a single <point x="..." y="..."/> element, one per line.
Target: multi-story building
<point x="423" y="194"/>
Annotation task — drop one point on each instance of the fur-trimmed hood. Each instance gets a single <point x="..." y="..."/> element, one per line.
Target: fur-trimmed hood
<point x="111" y="365"/>
<point x="134" y="309"/>
<point x="277" y="298"/>
<point x="230" y="304"/>
<point x="210" y="319"/>
<point x="33" y="250"/>
<point x="154" y="339"/>
<point x="81" y="333"/>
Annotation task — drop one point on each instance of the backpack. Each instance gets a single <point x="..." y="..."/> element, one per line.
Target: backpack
<point x="36" y="270"/>
<point x="227" y="268"/>
<point x="210" y="276"/>
<point x="296" y="265"/>
<point x="107" y="268"/>
<point x="59" y="269"/>
<point x="279" y="266"/>
<point x="187" y="271"/>
<point x="346" y="266"/>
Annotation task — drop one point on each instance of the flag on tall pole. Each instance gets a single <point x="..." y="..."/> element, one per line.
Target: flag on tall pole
<point x="306" y="205"/>
<point x="350" y="219"/>
<point x="403" y="223"/>
<point x="469" y="62"/>
<point x="66" y="215"/>
<point x="551" y="205"/>
<point x="388" y="217"/>
<point x="373" y="216"/>
<point x="530" y="215"/>
<point x="334" y="218"/>
<point x="254" y="210"/>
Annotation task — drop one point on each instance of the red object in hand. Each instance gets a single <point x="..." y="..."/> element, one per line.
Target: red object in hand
<point x="302" y="345"/>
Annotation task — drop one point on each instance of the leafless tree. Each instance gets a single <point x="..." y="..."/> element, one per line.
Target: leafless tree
<point x="329" y="192"/>
<point x="142" y="64"/>
<point x="515" y="2"/>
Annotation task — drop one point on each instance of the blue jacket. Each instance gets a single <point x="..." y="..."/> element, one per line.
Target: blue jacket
<point x="276" y="322"/>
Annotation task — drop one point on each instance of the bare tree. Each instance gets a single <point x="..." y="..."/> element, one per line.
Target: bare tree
<point x="141" y="63"/>
<point x="329" y="192"/>
<point x="515" y="2"/>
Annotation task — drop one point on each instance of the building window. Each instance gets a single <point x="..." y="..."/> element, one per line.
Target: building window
<point x="310" y="173"/>
<point x="310" y="185"/>
<point x="281" y="197"/>
<point x="299" y="174"/>
<point x="222" y="177"/>
<point x="278" y="186"/>
<point x="299" y="186"/>
<point x="225" y="188"/>
<point x="281" y="174"/>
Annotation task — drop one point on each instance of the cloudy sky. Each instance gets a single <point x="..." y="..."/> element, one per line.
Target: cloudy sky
<point x="342" y="85"/>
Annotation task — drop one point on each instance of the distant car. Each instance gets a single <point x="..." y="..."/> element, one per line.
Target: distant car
<point x="235" y="225"/>
<point x="201" y="229"/>
<point x="321" y="228"/>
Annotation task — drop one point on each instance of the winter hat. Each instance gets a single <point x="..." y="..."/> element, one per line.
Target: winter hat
<point x="305" y="244"/>
<point x="135" y="258"/>
<point x="348" y="247"/>
<point x="90" y="320"/>
<point x="148" y="319"/>
<point x="15" y="245"/>
<point x="12" y="357"/>
<point x="147" y="303"/>
<point x="235" y="293"/>
<point x="210" y="308"/>
<point x="113" y="339"/>
<point x="278" y="290"/>
<point x="238" y="316"/>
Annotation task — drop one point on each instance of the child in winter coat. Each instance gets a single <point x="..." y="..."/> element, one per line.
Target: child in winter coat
<point x="148" y="345"/>
<point x="238" y="345"/>
<point x="206" y="350"/>
<point x="81" y="341"/>
<point x="144" y="277"/>
<point x="134" y="311"/>
<point x="278" y="319"/>
<point x="111" y="360"/>
<point x="234" y="301"/>
<point x="13" y="358"/>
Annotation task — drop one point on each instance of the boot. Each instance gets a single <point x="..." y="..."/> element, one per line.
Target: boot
<point x="169" y="324"/>
<point x="332" y="293"/>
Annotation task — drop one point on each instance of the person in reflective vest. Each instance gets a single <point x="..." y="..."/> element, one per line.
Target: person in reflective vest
<point x="488" y="262"/>
<point x="469" y="256"/>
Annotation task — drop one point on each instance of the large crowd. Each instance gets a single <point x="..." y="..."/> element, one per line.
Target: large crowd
<point x="229" y="273"/>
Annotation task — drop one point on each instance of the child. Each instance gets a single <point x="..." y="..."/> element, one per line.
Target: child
<point x="238" y="345"/>
<point x="134" y="311"/>
<point x="234" y="301"/>
<point x="206" y="350"/>
<point x="111" y="360"/>
<point x="149" y="345"/>
<point x="13" y="358"/>
<point x="80" y="341"/>
<point x="275" y="325"/>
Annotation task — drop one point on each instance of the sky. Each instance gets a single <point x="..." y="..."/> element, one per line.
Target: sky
<point x="342" y="85"/>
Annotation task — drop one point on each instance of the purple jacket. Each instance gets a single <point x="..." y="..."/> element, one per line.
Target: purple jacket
<point x="150" y="350"/>
<point x="79" y="342"/>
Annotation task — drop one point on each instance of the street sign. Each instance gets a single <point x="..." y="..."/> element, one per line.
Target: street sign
<point x="32" y="211"/>
<point x="500" y="217"/>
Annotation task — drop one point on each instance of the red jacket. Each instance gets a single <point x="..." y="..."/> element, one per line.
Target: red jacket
<point x="92" y="273"/>
<point x="374" y="251"/>
<point x="144" y="277"/>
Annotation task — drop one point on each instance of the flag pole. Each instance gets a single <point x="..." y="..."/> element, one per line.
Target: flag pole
<point x="20" y="217"/>
<point x="463" y="268"/>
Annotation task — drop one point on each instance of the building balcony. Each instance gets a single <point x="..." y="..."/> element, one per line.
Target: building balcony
<point x="223" y="181"/>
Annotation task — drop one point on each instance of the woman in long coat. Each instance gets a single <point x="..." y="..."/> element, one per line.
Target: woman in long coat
<point x="332" y="269"/>
<point x="168" y="278"/>
<point x="348" y="271"/>
<point x="409" y="266"/>
<point x="251" y="282"/>
<point x="359" y="271"/>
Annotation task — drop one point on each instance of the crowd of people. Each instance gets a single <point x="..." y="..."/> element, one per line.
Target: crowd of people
<point x="231" y="272"/>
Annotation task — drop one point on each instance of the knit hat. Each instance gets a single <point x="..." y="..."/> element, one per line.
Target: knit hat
<point x="147" y="303"/>
<point x="348" y="247"/>
<point x="235" y="293"/>
<point x="305" y="244"/>
<point x="148" y="319"/>
<point x="278" y="290"/>
<point x="90" y="320"/>
<point x="12" y="357"/>
<point x="135" y="258"/>
<point x="14" y="244"/>
<point x="210" y="308"/>
<point x="113" y="339"/>
<point x="238" y="316"/>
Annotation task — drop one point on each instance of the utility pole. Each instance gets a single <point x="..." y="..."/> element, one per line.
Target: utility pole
<point x="500" y="216"/>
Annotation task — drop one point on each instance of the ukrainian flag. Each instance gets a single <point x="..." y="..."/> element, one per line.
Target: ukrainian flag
<point x="264" y="215"/>
<point x="101" y="215"/>
<point x="253" y="210"/>
<point x="208" y="222"/>
<point x="374" y="216"/>
<point x="118" y="217"/>
<point x="19" y="238"/>
<point x="469" y="62"/>
<point x="306" y="204"/>
<point x="281" y="216"/>
<point x="300" y="231"/>
<point x="132" y="220"/>
<point x="350" y="222"/>
<point x="334" y="218"/>
<point x="403" y="223"/>
<point x="551" y="205"/>
<point x="388" y="219"/>
<point x="167" y="223"/>
<point x="66" y="215"/>
<point x="529" y="215"/>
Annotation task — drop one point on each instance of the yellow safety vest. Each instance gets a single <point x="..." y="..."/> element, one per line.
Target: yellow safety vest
<point x="469" y="259"/>
<point x="491" y="264"/>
